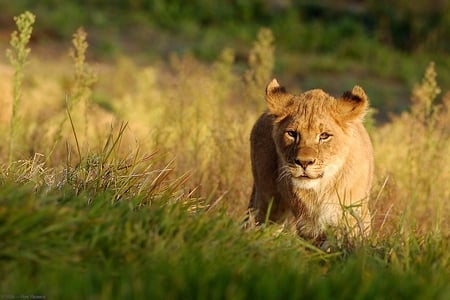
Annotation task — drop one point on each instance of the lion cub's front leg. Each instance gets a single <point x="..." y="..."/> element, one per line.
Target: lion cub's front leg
<point x="263" y="203"/>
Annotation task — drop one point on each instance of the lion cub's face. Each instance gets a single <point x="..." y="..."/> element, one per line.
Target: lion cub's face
<point x="311" y="132"/>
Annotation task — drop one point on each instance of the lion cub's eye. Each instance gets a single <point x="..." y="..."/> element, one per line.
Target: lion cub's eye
<point x="292" y="134"/>
<point x="324" y="136"/>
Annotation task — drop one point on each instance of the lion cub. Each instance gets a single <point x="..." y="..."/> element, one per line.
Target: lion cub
<point x="312" y="158"/>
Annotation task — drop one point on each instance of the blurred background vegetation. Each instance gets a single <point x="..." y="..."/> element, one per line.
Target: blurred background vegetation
<point x="382" y="45"/>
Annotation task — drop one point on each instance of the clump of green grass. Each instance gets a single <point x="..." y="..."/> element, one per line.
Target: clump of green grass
<point x="164" y="251"/>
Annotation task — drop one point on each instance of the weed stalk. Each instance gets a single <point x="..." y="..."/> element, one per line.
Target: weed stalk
<point x="261" y="61"/>
<point x="84" y="77"/>
<point x="18" y="57"/>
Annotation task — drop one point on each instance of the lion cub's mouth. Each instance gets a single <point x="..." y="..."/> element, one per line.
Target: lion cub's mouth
<point x="300" y="175"/>
<point x="305" y="176"/>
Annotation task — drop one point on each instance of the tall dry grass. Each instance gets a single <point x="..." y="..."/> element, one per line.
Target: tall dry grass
<point x="412" y="152"/>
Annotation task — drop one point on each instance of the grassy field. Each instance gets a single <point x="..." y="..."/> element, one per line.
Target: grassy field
<point x="125" y="180"/>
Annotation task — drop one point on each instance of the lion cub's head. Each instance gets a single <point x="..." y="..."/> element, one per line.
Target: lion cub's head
<point x="313" y="133"/>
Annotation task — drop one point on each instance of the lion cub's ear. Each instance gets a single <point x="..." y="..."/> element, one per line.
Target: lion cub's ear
<point x="353" y="104"/>
<point x="277" y="98"/>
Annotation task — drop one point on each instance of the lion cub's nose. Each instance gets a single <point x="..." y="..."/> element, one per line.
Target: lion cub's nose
<point x="305" y="162"/>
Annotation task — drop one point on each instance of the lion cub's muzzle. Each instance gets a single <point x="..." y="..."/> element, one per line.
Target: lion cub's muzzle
<point x="304" y="168"/>
<point x="304" y="164"/>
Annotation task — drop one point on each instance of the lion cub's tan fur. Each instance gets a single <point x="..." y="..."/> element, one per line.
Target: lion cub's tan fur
<point x="312" y="158"/>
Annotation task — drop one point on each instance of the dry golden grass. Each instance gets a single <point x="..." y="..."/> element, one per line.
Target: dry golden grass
<point x="412" y="152"/>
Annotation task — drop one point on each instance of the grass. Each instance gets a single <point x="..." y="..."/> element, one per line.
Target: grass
<point x="146" y="198"/>
<point x="56" y="245"/>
